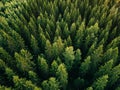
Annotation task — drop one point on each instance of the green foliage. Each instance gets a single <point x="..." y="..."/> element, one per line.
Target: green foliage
<point x="34" y="45"/>
<point x="2" y="66"/>
<point x="100" y="83"/>
<point x="59" y="44"/>
<point x="4" y="55"/>
<point x="21" y="84"/>
<point x="33" y="77"/>
<point x="54" y="67"/>
<point x="79" y="83"/>
<point x="69" y="57"/>
<point x="42" y="66"/>
<point x="50" y="84"/>
<point x="103" y="70"/>
<point x="85" y="66"/>
<point x="62" y="76"/>
<point x="114" y="75"/>
<point x="23" y="59"/>
<point x="89" y="88"/>
<point x="4" y="88"/>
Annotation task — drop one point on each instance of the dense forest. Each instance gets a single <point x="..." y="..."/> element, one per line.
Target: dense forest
<point x="59" y="44"/>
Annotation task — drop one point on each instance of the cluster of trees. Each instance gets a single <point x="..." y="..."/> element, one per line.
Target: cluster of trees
<point x="59" y="45"/>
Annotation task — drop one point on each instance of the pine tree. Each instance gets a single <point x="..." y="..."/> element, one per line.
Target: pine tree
<point x="69" y="41"/>
<point x="43" y="67"/>
<point x="43" y="41"/>
<point x="78" y="55"/>
<point x="45" y="85"/>
<point x="57" y="47"/>
<point x="76" y="64"/>
<point x="32" y="26"/>
<point x="4" y="55"/>
<point x="48" y="50"/>
<point x="9" y="75"/>
<point x="72" y="30"/>
<point x="19" y="42"/>
<point x="105" y="69"/>
<point x="62" y="76"/>
<point x="96" y="58"/>
<point x="2" y="67"/>
<point x="21" y="83"/>
<point x="114" y="43"/>
<point x="91" y="33"/>
<point x="34" y="45"/>
<point x="4" y="88"/>
<point x="111" y="53"/>
<point x="54" y="67"/>
<point x="85" y="66"/>
<point x="69" y="57"/>
<point x="33" y="76"/>
<point x="8" y="42"/>
<point x="23" y="59"/>
<point x="79" y="35"/>
<point x="50" y="84"/>
<point x="114" y="75"/>
<point x="100" y="83"/>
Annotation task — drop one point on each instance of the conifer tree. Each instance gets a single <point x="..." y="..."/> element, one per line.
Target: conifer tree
<point x="34" y="45"/>
<point x="48" y="50"/>
<point x="114" y="75"/>
<point x="5" y="88"/>
<point x="43" y="67"/>
<point x="105" y="69"/>
<point x="2" y="67"/>
<point x="54" y="67"/>
<point x="69" y="57"/>
<point x="21" y="83"/>
<point x="57" y="47"/>
<point x="33" y="76"/>
<point x="111" y="53"/>
<point x="62" y="76"/>
<point x="85" y="66"/>
<point x="4" y="55"/>
<point x="69" y="41"/>
<point x="79" y="35"/>
<point x="96" y="58"/>
<point x="9" y="75"/>
<point x="23" y="59"/>
<point x="50" y="84"/>
<point x="100" y="83"/>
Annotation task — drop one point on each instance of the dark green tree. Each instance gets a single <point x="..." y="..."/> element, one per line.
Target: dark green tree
<point x="85" y="66"/>
<point x="100" y="83"/>
<point x="105" y="69"/>
<point x="50" y="84"/>
<point x="34" y="45"/>
<point x="114" y="75"/>
<point x="43" y="67"/>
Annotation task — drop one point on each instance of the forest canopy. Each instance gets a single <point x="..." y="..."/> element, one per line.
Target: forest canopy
<point x="59" y="45"/>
